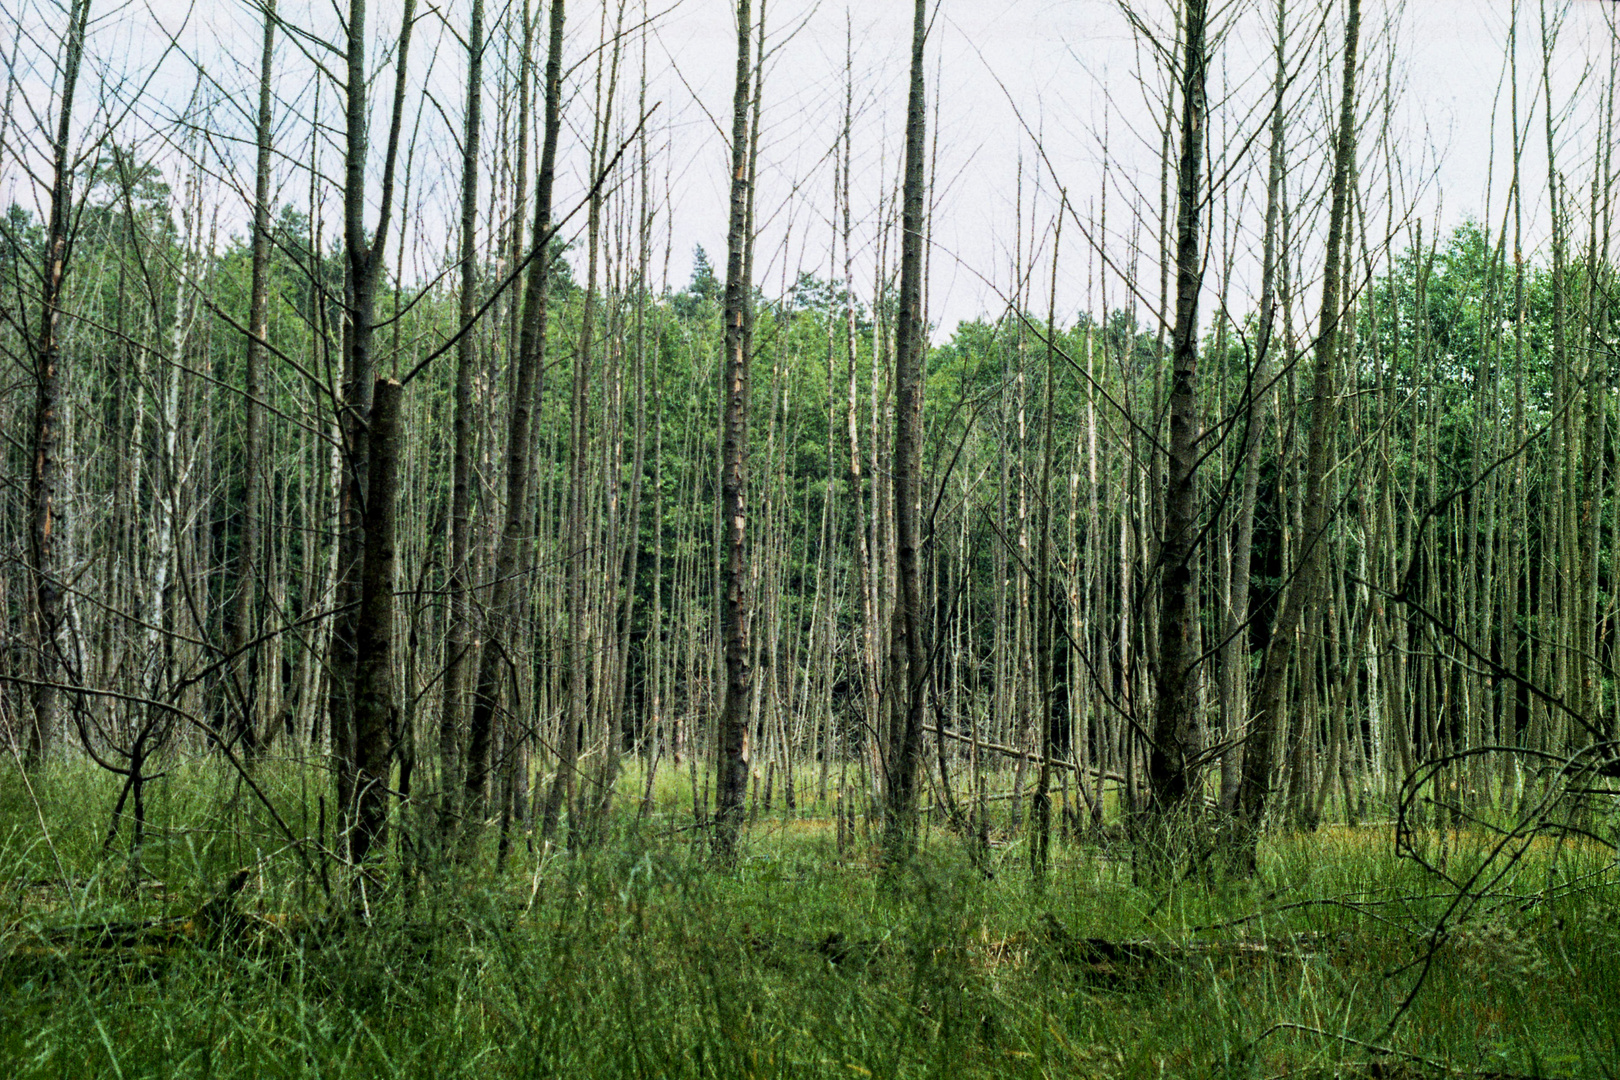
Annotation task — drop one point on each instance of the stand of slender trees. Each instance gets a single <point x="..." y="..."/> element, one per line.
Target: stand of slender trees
<point x="534" y="539"/>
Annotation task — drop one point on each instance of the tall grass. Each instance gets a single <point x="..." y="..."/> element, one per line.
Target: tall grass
<point x="636" y="958"/>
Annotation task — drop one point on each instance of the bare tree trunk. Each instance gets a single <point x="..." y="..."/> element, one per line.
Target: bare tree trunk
<point x="249" y="537"/>
<point x="631" y="554"/>
<point x="908" y="655"/>
<point x="363" y="266"/>
<point x="456" y="615"/>
<point x="1045" y="687"/>
<point x="733" y="766"/>
<point x="867" y="647"/>
<point x="1234" y="650"/>
<point x="1171" y="770"/>
<point x="531" y="360"/>
<point x="1302" y="594"/>
<point x="375" y="712"/>
<point x="47" y="461"/>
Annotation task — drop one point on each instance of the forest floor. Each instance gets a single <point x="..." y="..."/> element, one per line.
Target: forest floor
<point x="808" y="958"/>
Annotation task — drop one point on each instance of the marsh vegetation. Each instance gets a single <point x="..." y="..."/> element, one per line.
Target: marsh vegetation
<point x="438" y="642"/>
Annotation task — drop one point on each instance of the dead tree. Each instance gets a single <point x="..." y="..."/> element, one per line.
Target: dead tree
<point x="456" y="615"/>
<point x="531" y="357"/>
<point x="249" y="537"/>
<point x="733" y="764"/>
<point x="46" y="471"/>
<point x="1302" y="596"/>
<point x="908" y="650"/>
<point x="363" y="269"/>
<point x="1172" y="756"/>
<point x="375" y="719"/>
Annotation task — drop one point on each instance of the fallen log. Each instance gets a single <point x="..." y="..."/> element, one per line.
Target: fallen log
<point x="214" y="918"/>
<point x="1013" y="752"/>
<point x="1111" y="960"/>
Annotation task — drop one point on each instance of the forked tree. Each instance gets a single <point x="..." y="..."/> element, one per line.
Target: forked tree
<point x="364" y="248"/>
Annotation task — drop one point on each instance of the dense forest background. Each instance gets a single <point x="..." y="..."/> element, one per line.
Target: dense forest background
<point x="1293" y="418"/>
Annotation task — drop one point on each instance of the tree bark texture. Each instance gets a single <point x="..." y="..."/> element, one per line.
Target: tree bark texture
<point x="733" y="764"/>
<point x="1234" y="650"/>
<point x="45" y="477"/>
<point x="1172" y="758"/>
<point x="457" y="630"/>
<point x="909" y="657"/>
<point x="525" y="399"/>
<point x="1302" y="600"/>
<point x="375" y="709"/>
<point x="250" y="536"/>
<point x="363" y="266"/>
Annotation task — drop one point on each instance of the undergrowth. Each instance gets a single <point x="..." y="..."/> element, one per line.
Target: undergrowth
<point x="637" y="958"/>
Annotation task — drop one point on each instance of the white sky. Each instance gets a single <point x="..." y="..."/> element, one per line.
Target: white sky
<point x="1071" y="70"/>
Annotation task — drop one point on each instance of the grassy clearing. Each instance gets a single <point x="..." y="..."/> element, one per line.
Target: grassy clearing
<point x="634" y="959"/>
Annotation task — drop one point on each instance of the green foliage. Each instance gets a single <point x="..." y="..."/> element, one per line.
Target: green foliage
<point x="635" y="959"/>
<point x="702" y="297"/>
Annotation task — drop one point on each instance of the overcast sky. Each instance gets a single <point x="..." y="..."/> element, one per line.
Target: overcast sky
<point x="1069" y="74"/>
<point x="1072" y="71"/>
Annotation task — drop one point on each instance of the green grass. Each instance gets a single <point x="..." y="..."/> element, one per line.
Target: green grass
<point x="636" y="959"/>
